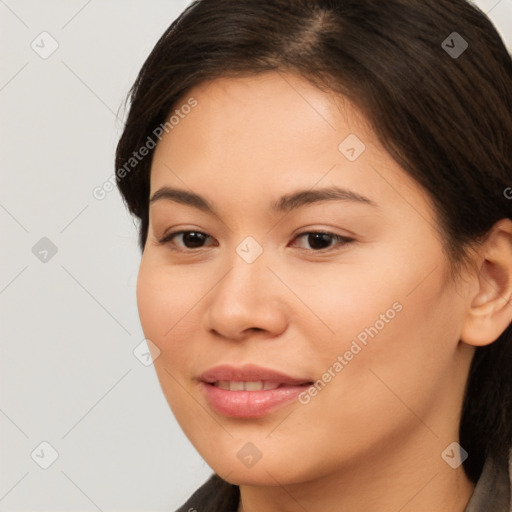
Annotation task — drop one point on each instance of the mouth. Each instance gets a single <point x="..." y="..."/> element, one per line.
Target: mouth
<point x="258" y="385"/>
<point x="249" y="391"/>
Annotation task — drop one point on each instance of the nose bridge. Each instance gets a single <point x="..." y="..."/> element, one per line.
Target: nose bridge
<point x="247" y="280"/>
<point x="246" y="297"/>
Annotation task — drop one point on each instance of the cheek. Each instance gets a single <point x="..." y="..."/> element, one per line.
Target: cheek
<point x="152" y="300"/>
<point x="165" y="300"/>
<point x="344" y="305"/>
<point x="395" y="328"/>
<point x="399" y="354"/>
<point x="332" y="296"/>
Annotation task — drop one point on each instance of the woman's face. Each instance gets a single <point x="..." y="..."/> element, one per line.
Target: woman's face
<point x="363" y="311"/>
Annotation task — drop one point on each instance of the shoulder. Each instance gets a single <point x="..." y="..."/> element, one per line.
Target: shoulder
<point x="215" y="495"/>
<point x="494" y="487"/>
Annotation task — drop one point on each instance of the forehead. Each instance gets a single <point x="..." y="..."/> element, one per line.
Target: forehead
<point x="266" y="120"/>
<point x="271" y="108"/>
<point x="267" y="134"/>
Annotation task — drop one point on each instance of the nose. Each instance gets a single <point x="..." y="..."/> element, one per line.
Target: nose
<point x="248" y="299"/>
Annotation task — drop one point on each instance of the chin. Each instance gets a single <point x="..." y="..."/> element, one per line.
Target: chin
<point x="266" y="472"/>
<point x="254" y="477"/>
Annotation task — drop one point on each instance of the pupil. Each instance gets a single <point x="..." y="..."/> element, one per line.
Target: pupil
<point x="193" y="239"/>
<point x="319" y="240"/>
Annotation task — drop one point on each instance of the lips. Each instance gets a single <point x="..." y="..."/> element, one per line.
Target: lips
<point x="249" y="373"/>
<point x="249" y="391"/>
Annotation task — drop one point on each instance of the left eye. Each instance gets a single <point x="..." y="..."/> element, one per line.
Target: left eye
<point x="323" y="240"/>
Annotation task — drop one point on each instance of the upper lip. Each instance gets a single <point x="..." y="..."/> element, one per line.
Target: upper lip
<point x="248" y="373"/>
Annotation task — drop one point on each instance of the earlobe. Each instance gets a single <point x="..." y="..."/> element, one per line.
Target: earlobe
<point x="490" y="310"/>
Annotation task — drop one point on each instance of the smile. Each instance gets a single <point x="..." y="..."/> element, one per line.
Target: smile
<point x="258" y="385"/>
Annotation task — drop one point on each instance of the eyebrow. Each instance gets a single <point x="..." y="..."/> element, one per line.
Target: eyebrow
<point x="285" y="204"/>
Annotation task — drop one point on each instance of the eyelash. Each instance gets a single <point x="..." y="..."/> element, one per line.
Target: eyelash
<point x="342" y="240"/>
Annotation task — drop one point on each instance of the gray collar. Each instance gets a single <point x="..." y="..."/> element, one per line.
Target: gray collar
<point x="493" y="490"/>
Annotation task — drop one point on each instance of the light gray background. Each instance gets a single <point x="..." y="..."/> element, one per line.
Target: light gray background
<point x="69" y="325"/>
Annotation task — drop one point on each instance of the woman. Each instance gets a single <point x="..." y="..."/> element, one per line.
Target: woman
<point x="323" y="190"/>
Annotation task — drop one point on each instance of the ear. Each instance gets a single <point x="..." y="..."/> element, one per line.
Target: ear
<point x="490" y="309"/>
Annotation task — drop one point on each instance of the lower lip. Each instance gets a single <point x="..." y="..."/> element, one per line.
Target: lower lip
<point x="249" y="404"/>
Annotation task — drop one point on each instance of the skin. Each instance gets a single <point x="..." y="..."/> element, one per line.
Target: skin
<point x="372" y="438"/>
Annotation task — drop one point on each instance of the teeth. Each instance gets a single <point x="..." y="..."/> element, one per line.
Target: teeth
<point x="236" y="386"/>
<point x="246" y="386"/>
<point x="252" y="386"/>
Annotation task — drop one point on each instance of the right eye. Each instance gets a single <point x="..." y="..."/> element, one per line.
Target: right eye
<point x="189" y="240"/>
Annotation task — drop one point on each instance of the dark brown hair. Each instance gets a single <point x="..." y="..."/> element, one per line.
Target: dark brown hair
<point x="445" y="118"/>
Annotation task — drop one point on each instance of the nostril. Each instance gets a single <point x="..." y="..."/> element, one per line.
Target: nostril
<point x="254" y="329"/>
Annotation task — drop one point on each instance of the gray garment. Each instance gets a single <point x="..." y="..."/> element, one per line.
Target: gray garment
<point x="494" y="487"/>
